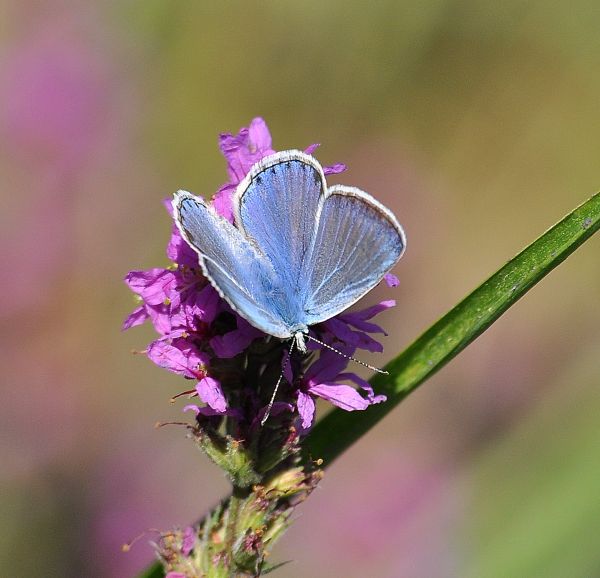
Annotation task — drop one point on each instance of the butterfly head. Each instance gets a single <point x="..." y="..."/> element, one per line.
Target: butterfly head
<point x="300" y="340"/>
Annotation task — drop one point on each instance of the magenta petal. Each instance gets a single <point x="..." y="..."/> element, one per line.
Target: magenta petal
<point x="136" y="317"/>
<point x="310" y="149"/>
<point x="246" y="148"/>
<point x="362" y="383"/>
<point x="343" y="396"/>
<point x="168" y="205"/>
<point x="259" y="135"/>
<point x="370" y="312"/>
<point x="326" y="367"/>
<point x="232" y="343"/>
<point x="204" y="304"/>
<point x="210" y="392"/>
<point x="306" y="409"/>
<point x="222" y="201"/>
<point x="391" y="280"/>
<point x="340" y="330"/>
<point x="334" y="169"/>
<point x="189" y="541"/>
<point x="155" y="286"/>
<point x="362" y="325"/>
<point x="162" y="318"/>
<point x="177" y="356"/>
<point x="192" y="407"/>
<point x="175" y="575"/>
<point x="365" y="385"/>
<point x="367" y="343"/>
<point x="180" y="252"/>
<point x="208" y="411"/>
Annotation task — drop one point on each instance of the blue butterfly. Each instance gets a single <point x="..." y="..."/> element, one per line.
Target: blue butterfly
<point x="299" y="253"/>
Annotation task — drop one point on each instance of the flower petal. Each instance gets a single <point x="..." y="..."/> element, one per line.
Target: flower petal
<point x="136" y="317"/>
<point x="259" y="134"/>
<point x="180" y="252"/>
<point x="177" y="356"/>
<point x="343" y="396"/>
<point x="210" y="392"/>
<point x="231" y="344"/>
<point x="306" y="409"/>
<point x="365" y="385"/>
<point x="356" y="339"/>
<point x="326" y="367"/>
<point x="155" y="286"/>
<point x="334" y="169"/>
<point x="222" y="201"/>
<point x="246" y="148"/>
<point x="189" y="541"/>
<point x="205" y="304"/>
<point x="391" y="280"/>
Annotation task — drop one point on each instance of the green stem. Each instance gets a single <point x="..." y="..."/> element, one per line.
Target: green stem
<point x="237" y="495"/>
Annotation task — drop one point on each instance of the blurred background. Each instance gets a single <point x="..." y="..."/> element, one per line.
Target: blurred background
<point x="476" y="122"/>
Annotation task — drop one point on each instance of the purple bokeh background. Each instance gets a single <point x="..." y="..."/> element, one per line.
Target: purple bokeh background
<point x="477" y="132"/>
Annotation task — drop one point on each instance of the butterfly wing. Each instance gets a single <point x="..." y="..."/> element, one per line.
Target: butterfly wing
<point x="357" y="242"/>
<point x="237" y="270"/>
<point x="276" y="207"/>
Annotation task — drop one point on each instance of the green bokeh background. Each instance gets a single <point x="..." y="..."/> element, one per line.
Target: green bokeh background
<point x="478" y="123"/>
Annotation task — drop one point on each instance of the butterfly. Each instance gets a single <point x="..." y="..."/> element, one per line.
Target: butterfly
<point x="299" y="253"/>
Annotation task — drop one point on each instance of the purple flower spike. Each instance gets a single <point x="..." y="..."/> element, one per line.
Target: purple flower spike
<point x="202" y="338"/>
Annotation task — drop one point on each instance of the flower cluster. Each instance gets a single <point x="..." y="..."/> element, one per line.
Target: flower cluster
<point x="203" y="339"/>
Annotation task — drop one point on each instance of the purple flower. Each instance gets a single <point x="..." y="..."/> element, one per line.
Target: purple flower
<point x="353" y="328"/>
<point x="201" y="338"/>
<point x="241" y="152"/>
<point x="322" y="380"/>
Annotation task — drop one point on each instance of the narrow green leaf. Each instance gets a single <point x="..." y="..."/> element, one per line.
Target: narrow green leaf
<point x="451" y="334"/>
<point x="459" y="327"/>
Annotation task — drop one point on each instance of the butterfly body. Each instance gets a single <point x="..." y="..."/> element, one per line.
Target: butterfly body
<point x="299" y="253"/>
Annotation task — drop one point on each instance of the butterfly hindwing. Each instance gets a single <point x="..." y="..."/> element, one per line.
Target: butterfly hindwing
<point x="357" y="242"/>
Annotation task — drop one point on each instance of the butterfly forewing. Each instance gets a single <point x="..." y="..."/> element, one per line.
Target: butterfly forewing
<point x="276" y="208"/>
<point x="244" y="277"/>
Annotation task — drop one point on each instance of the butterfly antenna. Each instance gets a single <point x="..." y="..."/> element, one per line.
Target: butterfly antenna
<point x="371" y="367"/>
<point x="272" y="400"/>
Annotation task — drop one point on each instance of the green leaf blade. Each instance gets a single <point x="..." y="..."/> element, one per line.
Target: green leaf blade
<point x="457" y="329"/>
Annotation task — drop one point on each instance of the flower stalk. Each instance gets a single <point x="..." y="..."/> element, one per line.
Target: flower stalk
<point x="251" y="434"/>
